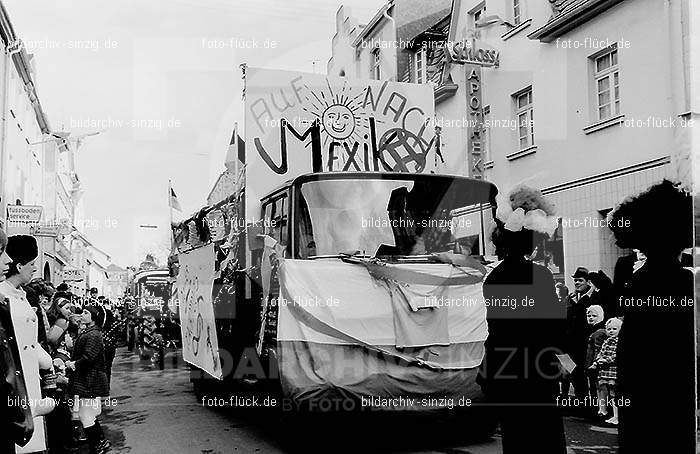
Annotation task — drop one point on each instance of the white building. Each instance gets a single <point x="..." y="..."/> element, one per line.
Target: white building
<point x="37" y="166"/>
<point x="93" y="262"/>
<point x="23" y="127"/>
<point x="589" y="100"/>
<point x="117" y="282"/>
<point x="61" y="195"/>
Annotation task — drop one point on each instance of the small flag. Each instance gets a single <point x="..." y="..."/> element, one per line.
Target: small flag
<point x="174" y="203"/>
<point x="230" y="161"/>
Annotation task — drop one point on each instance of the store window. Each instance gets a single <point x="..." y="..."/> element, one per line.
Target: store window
<point x="420" y="74"/>
<point x="524" y="118"/>
<point x="606" y="73"/>
<point x="376" y="69"/>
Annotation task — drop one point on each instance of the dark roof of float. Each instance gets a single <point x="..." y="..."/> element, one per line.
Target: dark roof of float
<point x="487" y="187"/>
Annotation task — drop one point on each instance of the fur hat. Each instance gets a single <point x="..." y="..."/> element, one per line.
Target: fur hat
<point x="526" y="208"/>
<point x="22" y="249"/>
<point x="659" y="221"/>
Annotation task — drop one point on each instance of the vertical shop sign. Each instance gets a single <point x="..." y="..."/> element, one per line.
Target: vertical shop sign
<point x="475" y="124"/>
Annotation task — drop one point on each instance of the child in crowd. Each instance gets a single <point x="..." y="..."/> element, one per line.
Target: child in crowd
<point x="606" y="364"/>
<point x="595" y="316"/>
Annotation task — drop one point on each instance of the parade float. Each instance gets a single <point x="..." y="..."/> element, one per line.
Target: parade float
<point x="153" y="318"/>
<point x="344" y="269"/>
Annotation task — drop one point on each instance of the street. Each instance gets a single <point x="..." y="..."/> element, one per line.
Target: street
<point x="157" y="411"/>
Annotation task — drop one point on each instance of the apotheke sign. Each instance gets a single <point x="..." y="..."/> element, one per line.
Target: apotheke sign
<point x="473" y="52"/>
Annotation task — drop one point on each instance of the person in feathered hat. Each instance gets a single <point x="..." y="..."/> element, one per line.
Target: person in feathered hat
<point x="23" y="251"/>
<point x="520" y="372"/>
<point x="659" y="314"/>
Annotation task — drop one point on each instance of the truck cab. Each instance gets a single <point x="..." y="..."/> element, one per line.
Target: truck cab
<point x="336" y="234"/>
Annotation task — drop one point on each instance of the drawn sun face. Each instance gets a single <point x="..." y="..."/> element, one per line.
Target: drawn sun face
<point x="338" y="121"/>
<point x="339" y="111"/>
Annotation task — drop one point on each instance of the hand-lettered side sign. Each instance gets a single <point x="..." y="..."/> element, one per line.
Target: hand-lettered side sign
<point x="298" y="123"/>
<point x="200" y="346"/>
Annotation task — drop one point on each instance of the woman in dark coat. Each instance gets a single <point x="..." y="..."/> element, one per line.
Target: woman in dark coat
<point x="89" y="380"/>
<point x="658" y="333"/>
<point x="526" y="329"/>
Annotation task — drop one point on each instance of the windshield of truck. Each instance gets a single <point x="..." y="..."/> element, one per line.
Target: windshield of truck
<point x="389" y="217"/>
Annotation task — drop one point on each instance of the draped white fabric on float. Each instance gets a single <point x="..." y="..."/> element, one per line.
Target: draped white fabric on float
<point x="341" y="324"/>
<point x="346" y="297"/>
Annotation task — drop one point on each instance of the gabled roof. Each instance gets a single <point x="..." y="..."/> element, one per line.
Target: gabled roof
<point x="373" y="23"/>
<point x="569" y="14"/>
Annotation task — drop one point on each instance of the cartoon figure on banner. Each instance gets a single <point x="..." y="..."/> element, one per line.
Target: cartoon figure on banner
<point x="214" y="355"/>
<point x="195" y="286"/>
<point x="195" y="326"/>
<point x="199" y="327"/>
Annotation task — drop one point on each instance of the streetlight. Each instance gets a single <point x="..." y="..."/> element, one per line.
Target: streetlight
<point x="64" y="137"/>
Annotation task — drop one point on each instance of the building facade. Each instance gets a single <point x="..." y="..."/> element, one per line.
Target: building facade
<point x="23" y="151"/>
<point x="61" y="194"/>
<point x="595" y="99"/>
<point x="117" y="282"/>
<point x="37" y="166"/>
<point x="587" y="100"/>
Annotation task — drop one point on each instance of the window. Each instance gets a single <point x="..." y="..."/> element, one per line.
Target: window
<point x="523" y="113"/>
<point x="607" y="83"/>
<point x="477" y="13"/>
<point x="486" y="135"/>
<point x="420" y="65"/>
<point x="517" y="12"/>
<point x="275" y="218"/>
<point x="376" y="69"/>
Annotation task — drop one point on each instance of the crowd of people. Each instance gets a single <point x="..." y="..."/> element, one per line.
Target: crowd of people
<point x="57" y="349"/>
<point x="616" y="341"/>
<point x="56" y="354"/>
<point x="593" y="322"/>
